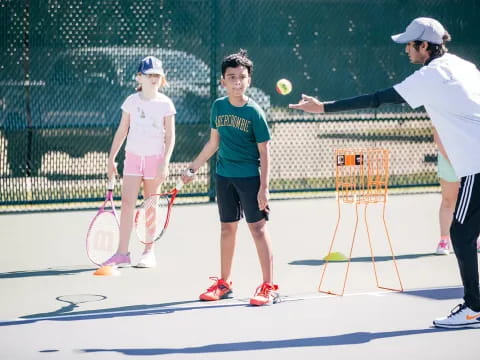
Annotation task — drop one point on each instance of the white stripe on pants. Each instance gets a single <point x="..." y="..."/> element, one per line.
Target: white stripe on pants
<point x="465" y="199"/>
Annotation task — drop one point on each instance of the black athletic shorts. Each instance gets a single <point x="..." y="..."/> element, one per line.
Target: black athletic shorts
<point x="237" y="196"/>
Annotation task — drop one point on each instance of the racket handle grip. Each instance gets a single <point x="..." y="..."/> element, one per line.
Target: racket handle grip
<point x="111" y="183"/>
<point x="179" y="185"/>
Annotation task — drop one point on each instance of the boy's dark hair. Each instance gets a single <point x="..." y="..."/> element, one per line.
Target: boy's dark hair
<point x="435" y="50"/>
<point x="237" y="59"/>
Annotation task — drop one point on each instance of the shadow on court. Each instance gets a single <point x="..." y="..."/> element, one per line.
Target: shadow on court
<point x="437" y="294"/>
<point x="65" y="314"/>
<point x="319" y="262"/>
<point x="344" y="339"/>
<point x="45" y="272"/>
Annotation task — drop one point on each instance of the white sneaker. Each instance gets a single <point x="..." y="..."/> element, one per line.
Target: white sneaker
<point x="147" y="260"/>
<point x="443" y="248"/>
<point x="461" y="316"/>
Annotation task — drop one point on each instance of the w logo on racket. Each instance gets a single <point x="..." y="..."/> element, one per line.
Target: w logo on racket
<point x="104" y="241"/>
<point x="104" y="232"/>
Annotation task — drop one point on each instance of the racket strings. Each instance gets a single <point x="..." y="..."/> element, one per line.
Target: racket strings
<point x="103" y="237"/>
<point x="150" y="218"/>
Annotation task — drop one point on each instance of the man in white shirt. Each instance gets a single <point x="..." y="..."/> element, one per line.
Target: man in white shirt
<point x="449" y="89"/>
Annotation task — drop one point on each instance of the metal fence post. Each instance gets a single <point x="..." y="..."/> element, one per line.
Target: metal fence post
<point x="26" y="85"/>
<point x="213" y="93"/>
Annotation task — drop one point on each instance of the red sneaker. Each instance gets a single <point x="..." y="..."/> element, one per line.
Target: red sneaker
<point x="219" y="290"/>
<point x="266" y="294"/>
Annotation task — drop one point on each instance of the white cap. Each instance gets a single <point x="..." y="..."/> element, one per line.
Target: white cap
<point x="151" y="65"/>
<point x="423" y="29"/>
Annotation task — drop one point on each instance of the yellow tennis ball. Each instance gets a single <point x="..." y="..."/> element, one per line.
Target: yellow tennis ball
<point x="284" y="86"/>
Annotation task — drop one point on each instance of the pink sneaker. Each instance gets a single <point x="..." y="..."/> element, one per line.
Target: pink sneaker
<point x="443" y="247"/>
<point x="219" y="290"/>
<point x="119" y="260"/>
<point x="478" y="245"/>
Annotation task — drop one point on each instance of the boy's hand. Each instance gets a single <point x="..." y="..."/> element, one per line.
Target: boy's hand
<point x="262" y="199"/>
<point x="188" y="175"/>
<point x="309" y="104"/>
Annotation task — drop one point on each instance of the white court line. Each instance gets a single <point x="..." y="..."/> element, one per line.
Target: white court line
<point x="369" y="293"/>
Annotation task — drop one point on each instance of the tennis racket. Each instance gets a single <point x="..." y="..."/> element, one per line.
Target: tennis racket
<point x="104" y="231"/>
<point x="152" y="216"/>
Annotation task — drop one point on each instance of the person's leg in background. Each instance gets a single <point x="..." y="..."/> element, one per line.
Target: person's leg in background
<point x="449" y="191"/>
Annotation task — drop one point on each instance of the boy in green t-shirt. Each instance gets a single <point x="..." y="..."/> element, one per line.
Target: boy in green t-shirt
<point x="240" y="133"/>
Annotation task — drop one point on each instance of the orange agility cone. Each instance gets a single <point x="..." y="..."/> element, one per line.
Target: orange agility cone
<point x="107" y="271"/>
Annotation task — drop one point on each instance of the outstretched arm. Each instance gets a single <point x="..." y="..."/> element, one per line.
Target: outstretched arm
<point x="309" y="104"/>
<point x="208" y="150"/>
<point x="374" y="100"/>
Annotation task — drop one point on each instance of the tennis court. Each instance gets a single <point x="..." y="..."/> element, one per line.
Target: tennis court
<point x="66" y="70"/>
<point x="154" y="313"/>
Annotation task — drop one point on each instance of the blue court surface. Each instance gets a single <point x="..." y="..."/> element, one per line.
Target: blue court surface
<point x="154" y="313"/>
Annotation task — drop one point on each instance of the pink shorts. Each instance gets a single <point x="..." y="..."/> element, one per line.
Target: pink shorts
<point x="146" y="166"/>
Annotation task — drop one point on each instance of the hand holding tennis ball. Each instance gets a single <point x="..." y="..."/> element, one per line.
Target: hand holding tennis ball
<point x="284" y="86"/>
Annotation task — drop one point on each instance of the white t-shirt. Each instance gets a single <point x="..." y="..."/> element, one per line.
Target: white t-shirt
<point x="146" y="135"/>
<point x="449" y="88"/>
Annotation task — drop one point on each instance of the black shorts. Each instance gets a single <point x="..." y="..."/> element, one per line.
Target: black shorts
<point x="236" y="196"/>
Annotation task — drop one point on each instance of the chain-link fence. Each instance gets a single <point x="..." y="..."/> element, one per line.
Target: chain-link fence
<point x="66" y="67"/>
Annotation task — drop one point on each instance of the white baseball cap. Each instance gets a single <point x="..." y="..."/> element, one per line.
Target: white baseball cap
<point x="151" y="65"/>
<point x="423" y="29"/>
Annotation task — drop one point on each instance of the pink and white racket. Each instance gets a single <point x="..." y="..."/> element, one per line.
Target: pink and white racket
<point x="104" y="231"/>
